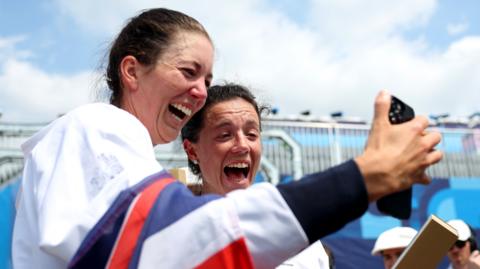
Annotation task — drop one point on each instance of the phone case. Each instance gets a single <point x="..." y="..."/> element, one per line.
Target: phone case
<point x="399" y="204"/>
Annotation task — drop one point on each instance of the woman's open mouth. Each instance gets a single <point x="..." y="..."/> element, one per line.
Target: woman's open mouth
<point x="237" y="171"/>
<point x="179" y="111"/>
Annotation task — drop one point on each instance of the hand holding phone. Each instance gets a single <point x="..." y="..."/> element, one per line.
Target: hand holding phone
<point x="399" y="204"/>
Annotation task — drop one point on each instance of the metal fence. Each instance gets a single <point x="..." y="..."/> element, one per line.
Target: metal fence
<point x="291" y="148"/>
<point x="326" y="144"/>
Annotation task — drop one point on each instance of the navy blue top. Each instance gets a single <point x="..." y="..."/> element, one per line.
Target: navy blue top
<point x="324" y="202"/>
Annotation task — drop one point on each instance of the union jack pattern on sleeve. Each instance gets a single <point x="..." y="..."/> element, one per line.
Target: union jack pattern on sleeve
<point x="159" y="223"/>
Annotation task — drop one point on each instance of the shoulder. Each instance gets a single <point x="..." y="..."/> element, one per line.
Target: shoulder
<point x="103" y="118"/>
<point x="99" y="120"/>
<point x="98" y="114"/>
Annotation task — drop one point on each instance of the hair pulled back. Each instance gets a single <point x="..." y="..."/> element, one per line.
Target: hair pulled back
<point x="146" y="37"/>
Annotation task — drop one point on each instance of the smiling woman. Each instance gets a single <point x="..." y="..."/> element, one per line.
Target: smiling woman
<point x="223" y="144"/>
<point x="159" y="68"/>
<point x="223" y="140"/>
<point x="160" y="85"/>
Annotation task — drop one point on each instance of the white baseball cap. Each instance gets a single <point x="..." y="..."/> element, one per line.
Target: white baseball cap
<point x="398" y="237"/>
<point x="462" y="228"/>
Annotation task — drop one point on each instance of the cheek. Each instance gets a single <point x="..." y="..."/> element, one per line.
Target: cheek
<point x="216" y="151"/>
<point x="200" y="104"/>
<point x="466" y="251"/>
<point x="211" y="155"/>
<point x="257" y="151"/>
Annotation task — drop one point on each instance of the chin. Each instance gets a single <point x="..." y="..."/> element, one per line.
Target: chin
<point x="233" y="188"/>
<point x="242" y="186"/>
<point x="167" y="137"/>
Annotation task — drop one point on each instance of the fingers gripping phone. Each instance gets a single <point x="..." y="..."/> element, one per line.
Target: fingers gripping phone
<point x="399" y="204"/>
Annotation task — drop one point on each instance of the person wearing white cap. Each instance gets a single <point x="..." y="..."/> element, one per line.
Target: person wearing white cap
<point x="463" y="254"/>
<point x="391" y="243"/>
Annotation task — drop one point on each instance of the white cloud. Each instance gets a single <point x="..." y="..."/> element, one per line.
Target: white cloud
<point x="106" y="17"/>
<point x="336" y="59"/>
<point x="9" y="42"/>
<point x="353" y="23"/>
<point x="30" y="94"/>
<point x="8" y="47"/>
<point x="457" y="28"/>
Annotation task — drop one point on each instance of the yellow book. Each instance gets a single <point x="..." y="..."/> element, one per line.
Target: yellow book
<point x="429" y="246"/>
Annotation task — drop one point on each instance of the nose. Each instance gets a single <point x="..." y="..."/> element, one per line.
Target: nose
<point x="241" y="144"/>
<point x="199" y="90"/>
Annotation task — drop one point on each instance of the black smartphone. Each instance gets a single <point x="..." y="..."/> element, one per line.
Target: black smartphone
<point x="399" y="204"/>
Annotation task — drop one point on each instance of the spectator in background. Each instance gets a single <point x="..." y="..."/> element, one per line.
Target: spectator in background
<point x="391" y="243"/>
<point x="464" y="253"/>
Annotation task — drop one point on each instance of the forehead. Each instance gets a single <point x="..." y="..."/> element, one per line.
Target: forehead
<point x="189" y="46"/>
<point x="237" y="108"/>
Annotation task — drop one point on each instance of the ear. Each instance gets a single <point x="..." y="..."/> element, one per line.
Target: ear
<point x="189" y="148"/>
<point x="129" y="72"/>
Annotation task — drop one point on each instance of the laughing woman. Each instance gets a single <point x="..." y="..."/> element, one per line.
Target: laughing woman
<point x="223" y="140"/>
<point x="223" y="144"/>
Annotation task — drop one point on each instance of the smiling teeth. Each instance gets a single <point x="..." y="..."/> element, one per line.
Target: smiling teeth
<point x="238" y="165"/>
<point x="182" y="108"/>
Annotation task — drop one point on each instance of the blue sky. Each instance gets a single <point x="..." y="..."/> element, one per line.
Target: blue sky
<point x="58" y="43"/>
<point x="319" y="55"/>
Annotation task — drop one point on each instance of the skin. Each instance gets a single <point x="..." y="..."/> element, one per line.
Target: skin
<point x="396" y="156"/>
<point x="230" y="136"/>
<point x="392" y="152"/>
<point x="390" y="256"/>
<point x="179" y="78"/>
<point x="474" y="260"/>
<point x="459" y="257"/>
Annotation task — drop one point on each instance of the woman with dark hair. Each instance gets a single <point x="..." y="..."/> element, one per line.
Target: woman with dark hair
<point x="223" y="144"/>
<point x="159" y="68"/>
<point x="222" y="140"/>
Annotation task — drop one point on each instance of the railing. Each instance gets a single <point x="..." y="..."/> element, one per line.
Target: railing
<point x="10" y="168"/>
<point x="303" y="147"/>
<point x="326" y="144"/>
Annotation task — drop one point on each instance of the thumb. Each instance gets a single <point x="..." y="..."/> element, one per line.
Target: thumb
<point x="382" y="107"/>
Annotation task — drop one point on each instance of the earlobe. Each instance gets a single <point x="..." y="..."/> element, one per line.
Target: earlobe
<point x="190" y="150"/>
<point x="128" y="72"/>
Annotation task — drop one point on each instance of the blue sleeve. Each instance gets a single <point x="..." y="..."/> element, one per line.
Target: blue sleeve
<point x="325" y="201"/>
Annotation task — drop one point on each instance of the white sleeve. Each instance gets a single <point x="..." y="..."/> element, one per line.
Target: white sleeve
<point x="313" y="257"/>
<point x="273" y="233"/>
<point x="75" y="171"/>
<point x="259" y="215"/>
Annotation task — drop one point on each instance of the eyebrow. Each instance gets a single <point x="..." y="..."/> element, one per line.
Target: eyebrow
<point x="252" y="123"/>
<point x="227" y="123"/>
<point x="222" y="124"/>
<point x="197" y="66"/>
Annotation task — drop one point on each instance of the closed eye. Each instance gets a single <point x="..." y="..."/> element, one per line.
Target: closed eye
<point x="224" y="136"/>
<point x="252" y="135"/>
<point x="188" y="72"/>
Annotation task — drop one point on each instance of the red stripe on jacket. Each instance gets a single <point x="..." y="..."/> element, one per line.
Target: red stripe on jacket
<point x="133" y="224"/>
<point x="233" y="256"/>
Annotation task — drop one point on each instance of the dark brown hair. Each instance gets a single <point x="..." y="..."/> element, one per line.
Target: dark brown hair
<point x="146" y="37"/>
<point x="218" y="94"/>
